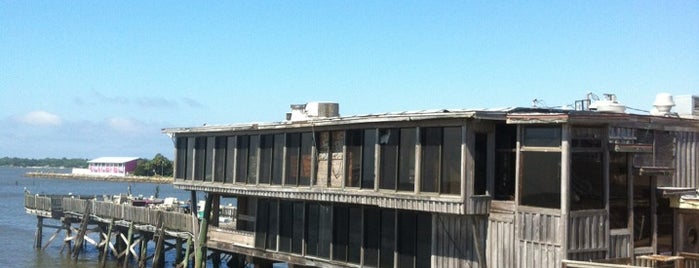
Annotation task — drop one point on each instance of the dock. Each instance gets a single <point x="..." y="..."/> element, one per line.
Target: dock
<point x="122" y="229"/>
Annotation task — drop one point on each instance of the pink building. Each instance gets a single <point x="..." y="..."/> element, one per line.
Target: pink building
<point x="112" y="166"/>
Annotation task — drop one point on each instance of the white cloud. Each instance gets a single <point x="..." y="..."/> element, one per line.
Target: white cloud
<point x="124" y="125"/>
<point x="41" y="118"/>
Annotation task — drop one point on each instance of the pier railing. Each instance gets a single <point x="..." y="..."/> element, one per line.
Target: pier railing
<point x="171" y="220"/>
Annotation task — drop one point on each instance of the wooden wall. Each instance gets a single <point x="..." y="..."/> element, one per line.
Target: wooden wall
<point x="538" y="238"/>
<point x="588" y="235"/>
<point x="686" y="159"/>
<point x="500" y="242"/>
<point x="458" y="241"/>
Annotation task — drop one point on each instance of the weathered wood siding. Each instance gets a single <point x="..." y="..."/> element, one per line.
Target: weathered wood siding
<point x="588" y="235"/>
<point x="478" y="205"/>
<point x="538" y="238"/>
<point x="686" y="160"/>
<point x="500" y="242"/>
<point x="455" y="239"/>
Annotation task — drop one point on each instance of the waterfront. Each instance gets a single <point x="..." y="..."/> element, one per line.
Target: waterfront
<point x="17" y="228"/>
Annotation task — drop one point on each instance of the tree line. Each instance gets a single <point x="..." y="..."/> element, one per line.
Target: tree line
<point x="46" y="162"/>
<point x="158" y="166"/>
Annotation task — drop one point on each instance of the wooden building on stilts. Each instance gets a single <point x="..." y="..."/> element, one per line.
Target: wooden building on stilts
<point x="517" y="187"/>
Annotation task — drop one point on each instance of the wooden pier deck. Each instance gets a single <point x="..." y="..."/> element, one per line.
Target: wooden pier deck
<point x="121" y="229"/>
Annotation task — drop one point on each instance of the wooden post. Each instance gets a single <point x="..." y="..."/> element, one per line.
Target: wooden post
<point x="39" y="231"/>
<point x="200" y="250"/>
<point x="158" y="260"/>
<point x="107" y="243"/>
<point x="186" y="254"/>
<point x="127" y="249"/>
<point x="178" y="250"/>
<point x="143" y="250"/>
<point x="80" y="237"/>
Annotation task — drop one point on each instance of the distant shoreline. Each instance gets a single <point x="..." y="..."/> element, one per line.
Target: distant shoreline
<point x="53" y="175"/>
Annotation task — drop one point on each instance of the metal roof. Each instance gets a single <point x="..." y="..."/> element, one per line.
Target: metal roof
<point x="511" y="114"/>
<point x="113" y="160"/>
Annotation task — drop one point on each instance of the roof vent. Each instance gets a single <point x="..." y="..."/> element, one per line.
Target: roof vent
<point x="609" y="104"/>
<point x="311" y="110"/>
<point x="662" y="105"/>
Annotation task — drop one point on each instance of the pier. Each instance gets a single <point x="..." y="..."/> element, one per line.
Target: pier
<point x="125" y="232"/>
<point x="84" y="176"/>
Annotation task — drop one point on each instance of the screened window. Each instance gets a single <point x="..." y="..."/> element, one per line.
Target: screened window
<point x="586" y="181"/>
<point x="368" y="157"/>
<point x="354" y="245"/>
<point x="542" y="136"/>
<point x="190" y="158"/>
<point x="278" y="159"/>
<point x="441" y="160"/>
<point x="261" y="223"/>
<point x="298" y="228"/>
<point x="242" y="148"/>
<point x="340" y="232"/>
<point x="252" y="159"/>
<point x="480" y="164"/>
<point x="181" y="166"/>
<point x="451" y="155"/>
<point x="353" y="141"/>
<point x="273" y="227"/>
<point x="389" y="141"/>
<point x="505" y="161"/>
<point x="306" y="159"/>
<point x="325" y="230"/>
<point x="230" y="159"/>
<point x="397" y="158"/>
<point x="388" y="238"/>
<point x="337" y="139"/>
<point x="312" y="228"/>
<point x="200" y="158"/>
<point x="414" y="239"/>
<point x="220" y="158"/>
<point x="209" y="162"/>
<point x="541" y="180"/>
<point x="286" y="225"/>
<point x="642" y="211"/>
<point x="293" y="151"/>
<point x="618" y="191"/>
<point x="372" y="228"/>
<point x="266" y="145"/>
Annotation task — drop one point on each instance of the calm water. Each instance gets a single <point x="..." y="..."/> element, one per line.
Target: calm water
<point x="17" y="228"/>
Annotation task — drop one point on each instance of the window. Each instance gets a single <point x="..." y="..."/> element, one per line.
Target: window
<point x="388" y="237"/>
<point x="298" y="228"/>
<point x="642" y="215"/>
<point x="209" y="162"/>
<point x="397" y="167"/>
<point x="273" y="227"/>
<point x="360" y="158"/>
<point x="480" y="159"/>
<point x="306" y="159"/>
<point x="337" y="139"/>
<point x="278" y="159"/>
<point x="325" y="230"/>
<point x="181" y="164"/>
<point x="388" y="139"/>
<point x="199" y="158"/>
<point x="242" y="148"/>
<point x="441" y="160"/>
<point x="586" y="181"/>
<point x="261" y="223"/>
<point x="312" y="228"/>
<point x="542" y="136"/>
<point x="286" y="225"/>
<point x="266" y="145"/>
<point x="354" y="245"/>
<point x="451" y="155"/>
<point x="414" y="239"/>
<point x="541" y="180"/>
<point x="353" y="141"/>
<point x="230" y="159"/>
<point x="220" y="158"/>
<point x="505" y="161"/>
<point x="293" y="145"/>
<point x="252" y="159"/>
<point x="618" y="191"/>
<point x="372" y="233"/>
<point x="340" y="232"/>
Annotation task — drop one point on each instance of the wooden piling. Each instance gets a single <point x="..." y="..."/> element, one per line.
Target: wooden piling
<point x="107" y="244"/>
<point x="200" y="250"/>
<point x="39" y="231"/>
<point x="80" y="237"/>
<point x="158" y="257"/>
<point x="143" y="250"/>
<point x="127" y="249"/>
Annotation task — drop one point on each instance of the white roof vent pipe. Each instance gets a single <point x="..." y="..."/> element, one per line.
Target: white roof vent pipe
<point x="662" y="105"/>
<point x="609" y="104"/>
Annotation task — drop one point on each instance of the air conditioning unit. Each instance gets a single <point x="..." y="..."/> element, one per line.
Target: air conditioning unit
<point x="687" y="106"/>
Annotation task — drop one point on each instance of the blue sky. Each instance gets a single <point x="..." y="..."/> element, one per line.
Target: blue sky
<point x="89" y="79"/>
